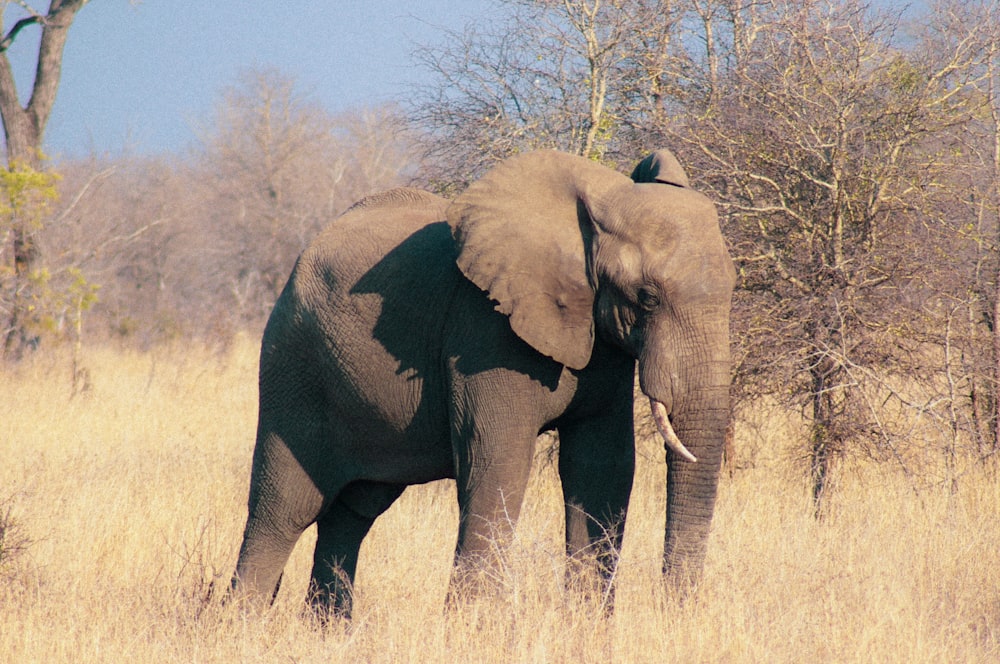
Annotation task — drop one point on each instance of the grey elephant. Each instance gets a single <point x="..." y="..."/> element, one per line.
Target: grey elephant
<point x="418" y="339"/>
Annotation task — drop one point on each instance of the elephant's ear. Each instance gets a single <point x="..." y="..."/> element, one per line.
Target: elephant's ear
<point x="661" y="166"/>
<point x="519" y="235"/>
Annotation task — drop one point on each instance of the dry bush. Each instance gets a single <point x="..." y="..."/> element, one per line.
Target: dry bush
<point x="14" y="543"/>
<point x="198" y="245"/>
<point x="134" y="498"/>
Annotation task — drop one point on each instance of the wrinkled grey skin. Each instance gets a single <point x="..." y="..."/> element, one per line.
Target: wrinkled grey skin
<point x="417" y="340"/>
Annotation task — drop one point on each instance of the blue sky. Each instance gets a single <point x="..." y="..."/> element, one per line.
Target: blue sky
<point x="141" y="78"/>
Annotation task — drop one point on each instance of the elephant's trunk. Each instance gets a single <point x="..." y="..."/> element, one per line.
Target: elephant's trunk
<point x="691" y="487"/>
<point x="689" y="397"/>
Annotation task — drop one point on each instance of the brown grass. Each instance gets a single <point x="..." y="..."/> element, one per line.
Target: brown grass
<point x="129" y="501"/>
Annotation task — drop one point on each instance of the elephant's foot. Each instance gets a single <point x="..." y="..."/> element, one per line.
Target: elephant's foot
<point x="590" y="581"/>
<point x="333" y="600"/>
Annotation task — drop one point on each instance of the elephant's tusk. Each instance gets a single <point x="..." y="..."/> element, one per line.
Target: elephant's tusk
<point x="667" y="431"/>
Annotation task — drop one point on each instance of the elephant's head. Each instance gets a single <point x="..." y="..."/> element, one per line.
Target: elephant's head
<point x="570" y="249"/>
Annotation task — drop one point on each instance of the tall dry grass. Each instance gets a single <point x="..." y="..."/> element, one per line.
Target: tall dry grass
<point x="127" y="503"/>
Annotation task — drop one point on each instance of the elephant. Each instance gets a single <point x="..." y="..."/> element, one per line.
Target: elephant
<point x="419" y="339"/>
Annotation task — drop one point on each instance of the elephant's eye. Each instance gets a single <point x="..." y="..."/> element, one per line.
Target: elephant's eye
<point x="648" y="299"/>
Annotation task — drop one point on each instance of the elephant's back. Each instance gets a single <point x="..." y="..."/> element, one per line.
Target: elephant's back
<point x="406" y="198"/>
<point x="371" y="229"/>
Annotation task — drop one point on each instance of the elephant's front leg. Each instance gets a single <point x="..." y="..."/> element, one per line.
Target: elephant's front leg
<point x="596" y="467"/>
<point x="493" y="448"/>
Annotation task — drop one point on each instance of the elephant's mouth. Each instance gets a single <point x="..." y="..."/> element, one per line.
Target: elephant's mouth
<point x="667" y="431"/>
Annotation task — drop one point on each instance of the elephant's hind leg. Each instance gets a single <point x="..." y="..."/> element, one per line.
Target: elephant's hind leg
<point x="283" y="503"/>
<point x="262" y="558"/>
<point x="340" y="531"/>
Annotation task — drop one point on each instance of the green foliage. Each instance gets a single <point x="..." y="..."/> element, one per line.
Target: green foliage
<point x="57" y="302"/>
<point x="904" y="77"/>
<point x="36" y="300"/>
<point x="26" y="195"/>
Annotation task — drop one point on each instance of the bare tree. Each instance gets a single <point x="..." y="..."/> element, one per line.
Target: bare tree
<point x="24" y="127"/>
<point x="199" y="245"/>
<point x="547" y="75"/>
<point x="968" y="214"/>
<point x="122" y="221"/>
<point x="822" y="146"/>
<point x="274" y="169"/>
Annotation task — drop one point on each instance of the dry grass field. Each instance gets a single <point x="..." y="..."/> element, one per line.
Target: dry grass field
<point x="122" y="505"/>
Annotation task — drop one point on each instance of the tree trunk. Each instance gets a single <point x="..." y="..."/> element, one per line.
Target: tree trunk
<point x="995" y="442"/>
<point x="23" y="130"/>
<point x="21" y="135"/>
<point x="993" y="76"/>
<point x="824" y="442"/>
